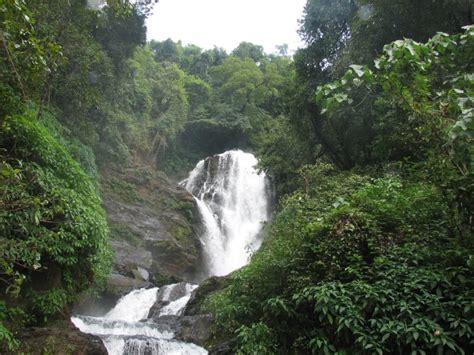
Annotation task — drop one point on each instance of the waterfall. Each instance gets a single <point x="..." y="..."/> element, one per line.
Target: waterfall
<point x="126" y="330"/>
<point x="233" y="200"/>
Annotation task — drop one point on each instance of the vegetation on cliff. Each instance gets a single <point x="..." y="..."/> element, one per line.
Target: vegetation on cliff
<point x="54" y="232"/>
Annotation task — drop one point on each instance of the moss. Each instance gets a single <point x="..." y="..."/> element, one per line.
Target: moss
<point x="125" y="190"/>
<point x="160" y="279"/>
<point x="125" y="233"/>
<point x="186" y="207"/>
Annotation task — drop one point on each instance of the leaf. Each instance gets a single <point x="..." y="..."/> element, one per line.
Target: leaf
<point x="358" y="69"/>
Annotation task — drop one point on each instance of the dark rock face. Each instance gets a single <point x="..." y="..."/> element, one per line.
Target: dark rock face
<point x="153" y="225"/>
<point x="128" y="257"/>
<point x="195" y="329"/>
<point x="60" y="337"/>
<point x="225" y="348"/>
<point x="198" y="325"/>
<point x="121" y="285"/>
<point x="165" y="296"/>
<point x="177" y="291"/>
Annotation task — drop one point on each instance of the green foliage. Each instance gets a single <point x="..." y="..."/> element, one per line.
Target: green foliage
<point x="26" y="58"/>
<point x="249" y="50"/>
<point x="6" y="336"/>
<point x="354" y="265"/>
<point x="281" y="153"/>
<point x="341" y="33"/>
<point x="256" y="339"/>
<point x="90" y="89"/>
<point x="119" y="33"/>
<point x="234" y="101"/>
<point x="54" y="233"/>
<point x="79" y="151"/>
<point x="415" y="106"/>
<point x="379" y="262"/>
<point x="49" y="303"/>
<point x="159" y="108"/>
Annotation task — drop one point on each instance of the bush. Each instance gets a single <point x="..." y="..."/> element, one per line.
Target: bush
<point x="354" y="265"/>
<point x="53" y="231"/>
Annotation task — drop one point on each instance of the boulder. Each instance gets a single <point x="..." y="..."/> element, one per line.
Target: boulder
<point x="120" y="285"/>
<point x="195" y="329"/>
<point x="60" y="337"/>
<point x="141" y="274"/>
<point x="225" y="348"/>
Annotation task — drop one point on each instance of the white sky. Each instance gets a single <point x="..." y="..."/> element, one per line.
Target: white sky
<point x="226" y="23"/>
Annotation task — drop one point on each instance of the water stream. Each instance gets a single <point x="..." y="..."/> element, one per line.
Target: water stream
<point x="233" y="200"/>
<point x="126" y="329"/>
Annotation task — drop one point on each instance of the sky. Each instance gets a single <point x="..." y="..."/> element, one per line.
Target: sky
<point x="226" y="23"/>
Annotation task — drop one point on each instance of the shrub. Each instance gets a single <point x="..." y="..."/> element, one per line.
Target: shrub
<point x="368" y="266"/>
<point x="53" y="231"/>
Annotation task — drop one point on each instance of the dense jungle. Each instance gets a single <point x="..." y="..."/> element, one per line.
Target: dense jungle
<point x="365" y="133"/>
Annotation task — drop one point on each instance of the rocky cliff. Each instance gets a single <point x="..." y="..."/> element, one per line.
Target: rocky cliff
<point x="153" y="228"/>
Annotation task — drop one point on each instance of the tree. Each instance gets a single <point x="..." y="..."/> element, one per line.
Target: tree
<point x="340" y="33"/>
<point x="27" y="59"/>
<point x="249" y="50"/>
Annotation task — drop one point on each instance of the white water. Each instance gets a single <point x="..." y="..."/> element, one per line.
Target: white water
<point x="176" y="307"/>
<point x="125" y="330"/>
<point x="232" y="197"/>
<point x="134" y="306"/>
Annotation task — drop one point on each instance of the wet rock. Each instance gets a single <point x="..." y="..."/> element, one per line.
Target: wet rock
<point x="169" y="322"/>
<point x="153" y="224"/>
<point x="120" y="285"/>
<point x="129" y="257"/>
<point x="225" y="348"/>
<point x="171" y="258"/>
<point x="138" y="219"/>
<point x="195" y="329"/>
<point x="173" y="292"/>
<point x="60" y="337"/>
<point x="168" y="294"/>
<point x="141" y="274"/>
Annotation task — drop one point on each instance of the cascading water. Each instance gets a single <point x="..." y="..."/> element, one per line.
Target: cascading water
<point x="233" y="199"/>
<point x="126" y="330"/>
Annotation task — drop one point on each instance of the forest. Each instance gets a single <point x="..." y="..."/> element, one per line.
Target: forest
<point x="366" y="133"/>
